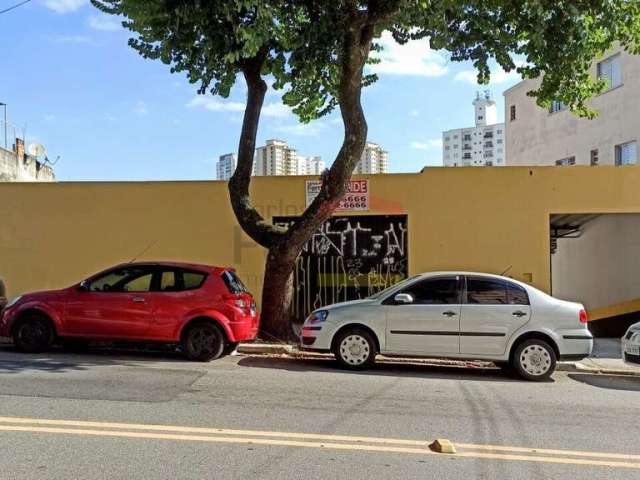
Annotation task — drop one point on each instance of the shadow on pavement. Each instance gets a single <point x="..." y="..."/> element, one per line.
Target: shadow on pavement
<point x="613" y="382"/>
<point x="378" y="369"/>
<point x="57" y="360"/>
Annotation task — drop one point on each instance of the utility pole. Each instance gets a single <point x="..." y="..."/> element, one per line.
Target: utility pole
<point x="5" y="123"/>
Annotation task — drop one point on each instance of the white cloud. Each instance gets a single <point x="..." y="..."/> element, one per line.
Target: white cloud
<point x="302" y="129"/>
<point x="215" y="105"/>
<point x="49" y="117"/>
<point x="414" y="113"/>
<point x="64" y="6"/>
<point x="104" y="23"/>
<point x="73" y="39"/>
<point x="498" y="76"/>
<point x="413" y="58"/>
<point x="430" y="144"/>
<point x="141" y="108"/>
<point x="274" y="109"/>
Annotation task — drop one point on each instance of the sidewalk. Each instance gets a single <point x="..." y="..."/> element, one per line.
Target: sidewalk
<point x="605" y="359"/>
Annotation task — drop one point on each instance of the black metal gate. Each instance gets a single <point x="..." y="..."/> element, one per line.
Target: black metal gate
<point x="350" y="257"/>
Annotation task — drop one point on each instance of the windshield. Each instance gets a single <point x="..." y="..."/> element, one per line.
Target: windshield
<point x="382" y="293"/>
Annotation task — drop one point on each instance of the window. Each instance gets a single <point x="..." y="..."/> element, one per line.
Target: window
<point x="446" y="139"/>
<point x="516" y="295"/>
<point x="499" y="140"/>
<point x="594" y="157"/>
<point x="435" y="291"/>
<point x="233" y="282"/>
<point x="512" y="112"/>
<point x="486" y="291"/>
<point x="610" y="70"/>
<point x="168" y="281"/>
<point x="447" y="147"/>
<point x="466" y="156"/>
<point x="127" y="279"/>
<point x="498" y="131"/>
<point x="557" y="106"/>
<point x="566" y="161"/>
<point x="480" y="117"/>
<point x="626" y="154"/>
<point x="467" y="137"/>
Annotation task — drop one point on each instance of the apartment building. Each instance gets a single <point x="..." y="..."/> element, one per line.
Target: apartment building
<point x="374" y="160"/>
<point x="226" y="166"/>
<point x="556" y="136"/>
<point x="276" y="157"/>
<point x="481" y="145"/>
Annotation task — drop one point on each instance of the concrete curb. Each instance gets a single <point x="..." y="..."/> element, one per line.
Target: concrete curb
<point x="292" y="351"/>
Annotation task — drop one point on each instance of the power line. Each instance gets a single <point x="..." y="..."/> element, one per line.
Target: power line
<point x="14" y="6"/>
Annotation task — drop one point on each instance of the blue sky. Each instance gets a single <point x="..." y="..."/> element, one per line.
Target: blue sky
<point x="72" y="84"/>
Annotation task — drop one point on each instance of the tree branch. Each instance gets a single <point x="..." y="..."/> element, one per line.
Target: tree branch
<point x="248" y="217"/>
<point x="335" y="181"/>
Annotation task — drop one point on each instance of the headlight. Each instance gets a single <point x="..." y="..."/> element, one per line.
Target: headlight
<point x="318" y="316"/>
<point x="13" y="302"/>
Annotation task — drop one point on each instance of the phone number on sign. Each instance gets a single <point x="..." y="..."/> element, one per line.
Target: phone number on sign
<point x="354" y="202"/>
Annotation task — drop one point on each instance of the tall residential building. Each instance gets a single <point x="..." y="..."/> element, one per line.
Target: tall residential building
<point x="374" y="160"/>
<point x="314" y="165"/>
<point x="276" y="158"/>
<point x="226" y="166"/>
<point x="556" y="136"/>
<point x="479" y="146"/>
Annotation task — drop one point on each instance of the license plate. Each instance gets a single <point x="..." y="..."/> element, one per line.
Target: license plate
<point x="632" y="349"/>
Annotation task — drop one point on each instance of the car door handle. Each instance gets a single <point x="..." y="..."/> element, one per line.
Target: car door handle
<point x="449" y="313"/>
<point x="519" y="313"/>
<point x="139" y="299"/>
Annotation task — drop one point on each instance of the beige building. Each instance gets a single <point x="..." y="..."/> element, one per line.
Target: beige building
<point x="374" y="160"/>
<point x="535" y="136"/>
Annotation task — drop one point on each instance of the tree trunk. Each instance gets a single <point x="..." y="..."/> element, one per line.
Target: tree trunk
<point x="277" y="294"/>
<point x="284" y="246"/>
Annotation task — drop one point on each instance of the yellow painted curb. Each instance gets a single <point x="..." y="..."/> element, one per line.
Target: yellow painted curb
<point x="442" y="445"/>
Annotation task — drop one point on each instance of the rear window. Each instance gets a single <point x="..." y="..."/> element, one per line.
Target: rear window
<point x="192" y="280"/>
<point x="233" y="282"/>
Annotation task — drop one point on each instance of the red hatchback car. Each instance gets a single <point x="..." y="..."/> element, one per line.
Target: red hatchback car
<point x="206" y="309"/>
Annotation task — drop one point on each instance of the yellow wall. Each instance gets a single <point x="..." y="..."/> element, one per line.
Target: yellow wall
<point x="483" y="219"/>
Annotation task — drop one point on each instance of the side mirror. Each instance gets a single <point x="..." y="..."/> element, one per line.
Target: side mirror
<point x="84" y="286"/>
<point x="403" y="298"/>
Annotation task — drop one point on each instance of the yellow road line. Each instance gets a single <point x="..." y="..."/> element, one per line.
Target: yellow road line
<point x="291" y="439"/>
<point x="317" y="445"/>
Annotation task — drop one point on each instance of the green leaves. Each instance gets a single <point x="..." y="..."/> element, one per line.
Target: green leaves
<point x="210" y="40"/>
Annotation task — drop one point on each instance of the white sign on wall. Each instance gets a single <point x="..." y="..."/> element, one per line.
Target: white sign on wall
<point x="357" y="197"/>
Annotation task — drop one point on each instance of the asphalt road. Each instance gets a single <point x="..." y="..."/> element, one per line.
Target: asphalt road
<point x="209" y="420"/>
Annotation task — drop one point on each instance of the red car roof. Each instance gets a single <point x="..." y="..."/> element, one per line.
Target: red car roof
<point x="193" y="266"/>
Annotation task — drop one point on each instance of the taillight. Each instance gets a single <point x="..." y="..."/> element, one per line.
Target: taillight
<point x="583" y="316"/>
<point x="244" y="305"/>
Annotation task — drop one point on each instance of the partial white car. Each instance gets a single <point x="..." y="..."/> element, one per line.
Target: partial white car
<point x="631" y="345"/>
<point x="460" y="315"/>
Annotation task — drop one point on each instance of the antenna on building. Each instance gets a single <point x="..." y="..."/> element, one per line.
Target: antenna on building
<point x="508" y="268"/>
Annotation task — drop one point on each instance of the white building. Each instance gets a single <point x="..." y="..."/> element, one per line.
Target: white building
<point x="276" y="157"/>
<point x="314" y="165"/>
<point x="556" y="136"/>
<point x="479" y="146"/>
<point x="226" y="166"/>
<point x="18" y="166"/>
<point x="374" y="160"/>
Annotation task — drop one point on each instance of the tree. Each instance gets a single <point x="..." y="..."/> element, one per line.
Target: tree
<point x="317" y="51"/>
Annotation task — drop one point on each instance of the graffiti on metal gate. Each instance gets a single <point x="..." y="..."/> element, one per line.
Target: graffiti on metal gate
<point x="350" y="257"/>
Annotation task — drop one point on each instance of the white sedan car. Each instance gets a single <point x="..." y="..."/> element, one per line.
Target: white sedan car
<point x="459" y="315"/>
<point x="631" y="345"/>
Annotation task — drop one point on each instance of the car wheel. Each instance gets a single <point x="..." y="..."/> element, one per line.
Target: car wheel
<point x="355" y="349"/>
<point x="229" y="348"/>
<point x="33" y="334"/>
<point x="534" y="360"/>
<point x="203" y="342"/>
